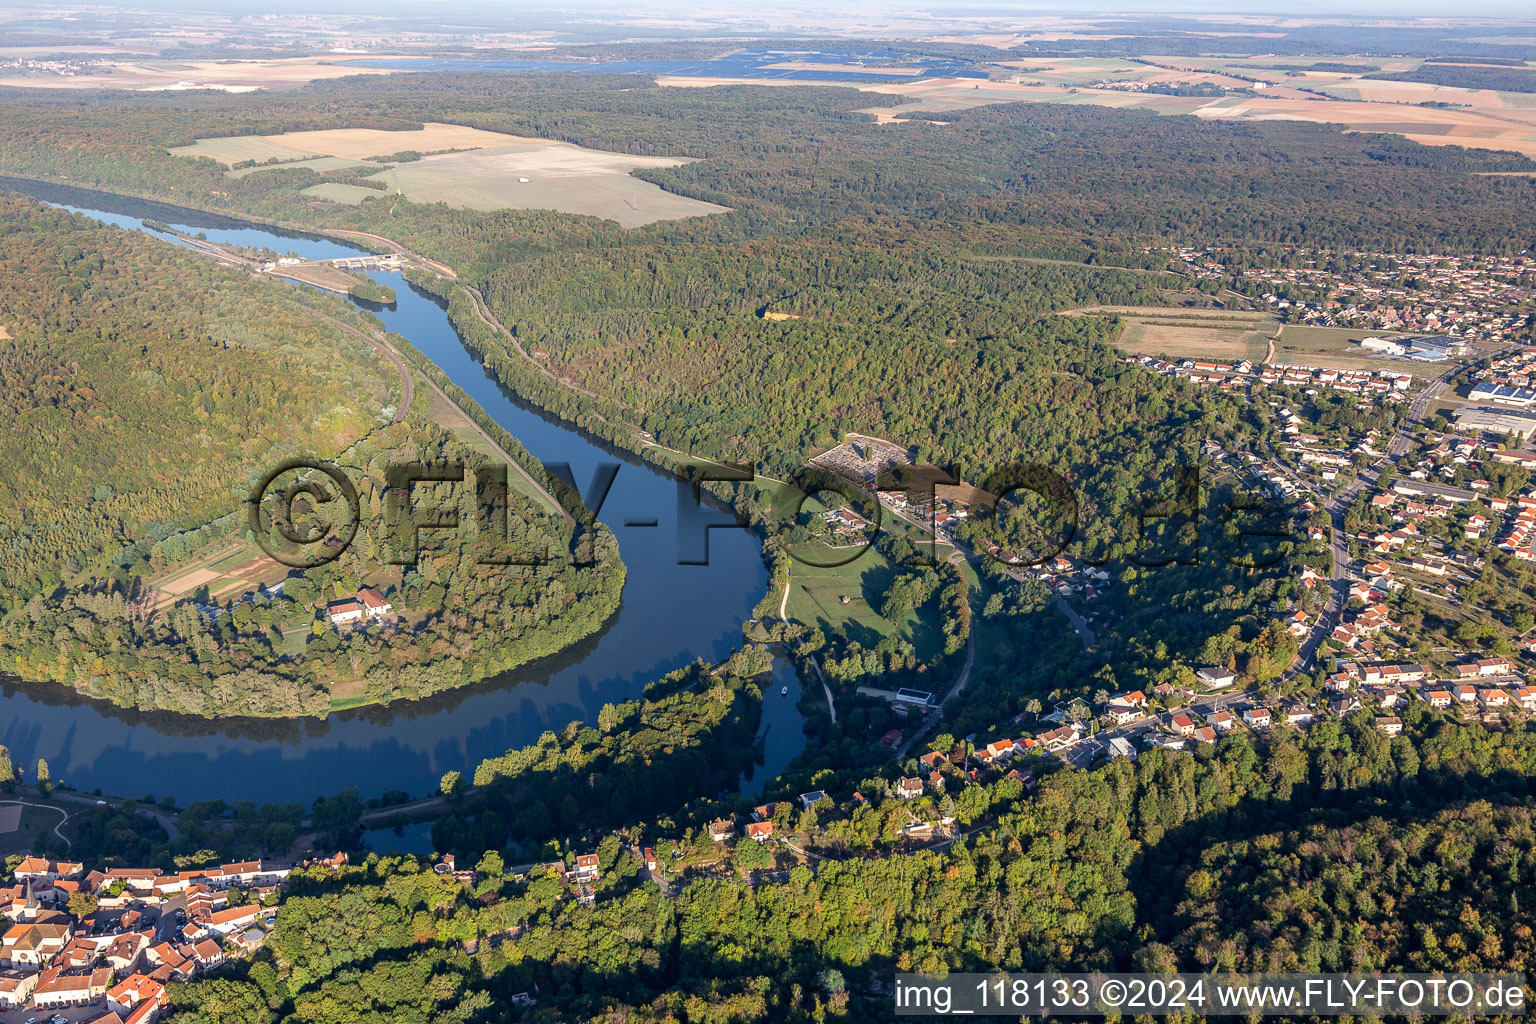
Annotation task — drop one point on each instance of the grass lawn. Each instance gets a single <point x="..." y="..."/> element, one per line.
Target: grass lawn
<point x="34" y="824"/>
<point x="1188" y="333"/>
<point x="1337" y="347"/>
<point x="341" y="192"/>
<point x="816" y="598"/>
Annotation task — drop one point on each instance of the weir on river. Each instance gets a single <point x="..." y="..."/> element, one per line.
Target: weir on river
<point x="671" y="614"/>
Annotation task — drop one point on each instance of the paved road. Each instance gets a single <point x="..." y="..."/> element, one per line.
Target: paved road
<point x="63" y="816"/>
<point x="1338" y="506"/>
<point x="961" y="678"/>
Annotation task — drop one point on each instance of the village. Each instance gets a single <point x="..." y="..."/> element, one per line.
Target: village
<point x="101" y="947"/>
<point x="1366" y="385"/>
<point x="1467" y="298"/>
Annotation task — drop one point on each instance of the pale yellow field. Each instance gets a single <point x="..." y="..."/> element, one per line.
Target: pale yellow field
<point x="239" y="149"/>
<point x="191" y="581"/>
<point x="341" y="192"/>
<point x="560" y="177"/>
<point x="1178" y="333"/>
<point x="487" y="173"/>
<point x="1497" y="121"/>
<point x="229" y="76"/>
<point x="1184" y="341"/>
<point x="361" y="143"/>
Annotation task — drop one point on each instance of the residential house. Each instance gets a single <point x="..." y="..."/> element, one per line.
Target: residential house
<point x="36" y="869"/>
<point x="1216" y="678"/>
<point x="373" y="603"/>
<point x="134" y="992"/>
<point x="761" y="831"/>
<point x="56" y="990"/>
<point x="1258" y="718"/>
<point x="997" y="751"/>
<point x="233" y="919"/>
<point x="16" y="988"/>
<point x="587" y="869"/>
<point x="1390" y="724"/>
<point x="1297" y="715"/>
<point x="909" y="789"/>
<point x="345" y="613"/>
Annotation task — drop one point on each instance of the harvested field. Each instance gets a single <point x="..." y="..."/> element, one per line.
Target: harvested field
<point x="559" y="177"/>
<point x="340" y="192"/>
<point x="240" y="148"/>
<point x="1497" y="121"/>
<point x="227" y="75"/>
<point x="190" y="582"/>
<point x="1194" y="341"/>
<point x="318" y="163"/>
<point x="1180" y="333"/>
<point x="363" y="143"/>
<point x="487" y="171"/>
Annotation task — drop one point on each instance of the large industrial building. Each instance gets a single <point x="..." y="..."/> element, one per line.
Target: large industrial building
<point x="1485" y="420"/>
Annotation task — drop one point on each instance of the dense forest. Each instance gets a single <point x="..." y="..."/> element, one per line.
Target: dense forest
<point x="149" y="391"/>
<point x="900" y="283"/>
<point x="917" y="278"/>
<point x="1502" y="79"/>
<point x="1336" y="850"/>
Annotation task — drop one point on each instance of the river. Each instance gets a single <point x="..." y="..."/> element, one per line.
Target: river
<point x="671" y="614"/>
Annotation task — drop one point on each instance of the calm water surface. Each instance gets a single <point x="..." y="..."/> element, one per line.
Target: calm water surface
<point x="671" y="614"/>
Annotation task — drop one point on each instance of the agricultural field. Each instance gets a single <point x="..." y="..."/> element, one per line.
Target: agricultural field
<point x="341" y="192"/>
<point x="1336" y="347"/>
<point x="1217" y="334"/>
<point x="1480" y="119"/>
<point x="475" y="170"/>
<point x="225" y="571"/>
<point x="317" y="163"/>
<point x="140" y="75"/>
<point x="240" y="148"/>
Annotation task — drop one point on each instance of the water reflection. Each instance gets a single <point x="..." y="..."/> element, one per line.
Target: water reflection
<point x="670" y="615"/>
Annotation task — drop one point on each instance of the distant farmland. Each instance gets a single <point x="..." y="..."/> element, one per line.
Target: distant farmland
<point x="468" y="168"/>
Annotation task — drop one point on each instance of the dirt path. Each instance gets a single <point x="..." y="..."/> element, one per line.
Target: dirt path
<point x="961" y="678"/>
<point x="64" y="816"/>
<point x="784" y="618"/>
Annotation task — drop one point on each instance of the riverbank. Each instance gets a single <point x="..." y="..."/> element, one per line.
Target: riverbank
<point x="671" y="613"/>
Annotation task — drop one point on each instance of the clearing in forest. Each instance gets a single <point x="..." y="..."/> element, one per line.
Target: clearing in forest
<point x="473" y="169"/>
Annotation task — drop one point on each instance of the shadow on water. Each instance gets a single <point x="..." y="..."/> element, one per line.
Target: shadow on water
<point x="670" y="615"/>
